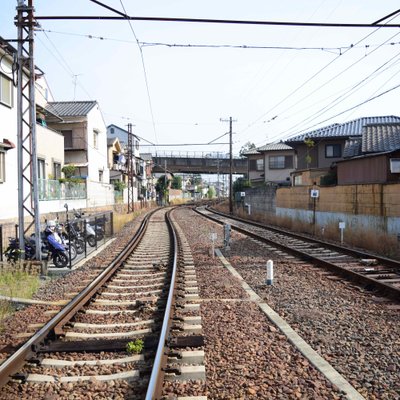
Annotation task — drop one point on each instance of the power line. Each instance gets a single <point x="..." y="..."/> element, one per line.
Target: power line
<point x="217" y="21"/>
<point x="126" y="17"/>
<point x="332" y="49"/>
<point x="311" y="78"/>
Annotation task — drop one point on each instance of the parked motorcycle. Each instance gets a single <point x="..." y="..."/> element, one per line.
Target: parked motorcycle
<point x="62" y="238"/>
<point x="88" y="231"/>
<point x="73" y="234"/>
<point x="13" y="251"/>
<point x="51" y="248"/>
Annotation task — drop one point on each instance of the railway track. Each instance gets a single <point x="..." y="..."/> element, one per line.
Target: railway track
<point x="139" y="301"/>
<point x="366" y="269"/>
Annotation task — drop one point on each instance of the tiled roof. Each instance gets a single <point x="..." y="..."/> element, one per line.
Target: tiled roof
<point x="250" y="152"/>
<point x="380" y="138"/>
<point x="352" y="147"/>
<point x="274" y="147"/>
<point x="70" y="108"/>
<point x="375" y="139"/>
<point x="347" y="129"/>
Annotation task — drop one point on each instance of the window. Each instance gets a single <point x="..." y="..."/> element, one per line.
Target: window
<point x="2" y="166"/>
<point x="41" y="169"/>
<point x="333" y="150"/>
<point x="67" y="139"/>
<point x="256" y="165"/>
<point x="280" y="162"/>
<point x="57" y="170"/>
<point x="100" y="176"/>
<point x="6" y="91"/>
<point x="95" y="139"/>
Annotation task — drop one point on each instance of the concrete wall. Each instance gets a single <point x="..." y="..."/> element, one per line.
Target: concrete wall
<point x="261" y="200"/>
<point x="99" y="194"/>
<point x="373" y="207"/>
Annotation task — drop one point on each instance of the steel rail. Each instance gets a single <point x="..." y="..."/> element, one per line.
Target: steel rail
<point x="352" y="252"/>
<point x="387" y="290"/>
<point x="154" y="389"/>
<point x="15" y="362"/>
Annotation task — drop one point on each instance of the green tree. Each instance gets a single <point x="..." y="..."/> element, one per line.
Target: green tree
<point x="176" y="182"/>
<point x="162" y="184"/>
<point x="69" y="170"/>
<point x="310" y="144"/>
<point x="240" y="184"/>
<point x="211" y="192"/>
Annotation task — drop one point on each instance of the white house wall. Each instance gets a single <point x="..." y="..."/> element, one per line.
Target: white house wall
<point x="8" y="130"/>
<point x="50" y="147"/>
<point x="97" y="158"/>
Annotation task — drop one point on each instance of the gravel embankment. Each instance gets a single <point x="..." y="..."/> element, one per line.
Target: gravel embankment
<point x="358" y="333"/>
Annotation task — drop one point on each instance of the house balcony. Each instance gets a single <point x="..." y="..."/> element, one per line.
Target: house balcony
<point x="50" y="189"/>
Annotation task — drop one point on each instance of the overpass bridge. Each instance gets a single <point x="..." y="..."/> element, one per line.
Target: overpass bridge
<point x="198" y="163"/>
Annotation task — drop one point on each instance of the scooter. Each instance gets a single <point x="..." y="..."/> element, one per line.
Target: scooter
<point x="88" y="231"/>
<point x="13" y="251"/>
<point x="53" y="250"/>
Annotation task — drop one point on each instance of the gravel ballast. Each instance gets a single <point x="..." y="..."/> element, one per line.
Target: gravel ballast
<point x="356" y="332"/>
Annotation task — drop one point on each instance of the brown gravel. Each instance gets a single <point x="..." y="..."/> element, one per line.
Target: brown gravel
<point x="247" y="358"/>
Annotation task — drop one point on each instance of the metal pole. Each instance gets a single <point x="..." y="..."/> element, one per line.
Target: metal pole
<point x="230" y="168"/>
<point x="28" y="201"/>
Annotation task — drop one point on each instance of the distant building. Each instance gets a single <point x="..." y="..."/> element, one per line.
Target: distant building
<point x="85" y="146"/>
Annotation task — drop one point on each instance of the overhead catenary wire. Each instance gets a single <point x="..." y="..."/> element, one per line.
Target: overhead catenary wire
<point x="331" y="49"/>
<point x="126" y="17"/>
<point x="215" y="21"/>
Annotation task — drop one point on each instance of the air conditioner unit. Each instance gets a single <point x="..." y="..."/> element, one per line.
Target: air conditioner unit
<point x="395" y="165"/>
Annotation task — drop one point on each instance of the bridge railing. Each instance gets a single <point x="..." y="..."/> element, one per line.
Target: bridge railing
<point x="193" y="154"/>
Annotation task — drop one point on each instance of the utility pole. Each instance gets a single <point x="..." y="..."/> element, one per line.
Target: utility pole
<point x="230" y="165"/>
<point x="28" y="195"/>
<point x="131" y="200"/>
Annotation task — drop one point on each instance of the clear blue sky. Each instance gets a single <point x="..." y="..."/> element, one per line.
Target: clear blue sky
<point x="270" y="93"/>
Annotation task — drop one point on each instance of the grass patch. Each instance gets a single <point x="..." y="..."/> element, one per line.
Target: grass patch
<point x="15" y="284"/>
<point x="120" y="220"/>
<point x="18" y="284"/>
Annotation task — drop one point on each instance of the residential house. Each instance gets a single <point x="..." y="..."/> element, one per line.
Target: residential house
<point x="137" y="164"/>
<point x="116" y="161"/>
<point x="271" y="163"/>
<point x="279" y="162"/>
<point x="85" y="146"/>
<point x="372" y="158"/>
<point x="49" y="143"/>
<point x="318" y="151"/>
<point x="255" y="166"/>
<point x="148" y="182"/>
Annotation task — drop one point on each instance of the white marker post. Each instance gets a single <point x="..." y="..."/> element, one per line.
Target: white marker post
<point x="213" y="238"/>
<point x="270" y="272"/>
<point x="342" y="226"/>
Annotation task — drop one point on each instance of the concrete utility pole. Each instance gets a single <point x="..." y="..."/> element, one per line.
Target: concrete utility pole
<point x="230" y="165"/>
<point x="131" y="200"/>
<point x="28" y="194"/>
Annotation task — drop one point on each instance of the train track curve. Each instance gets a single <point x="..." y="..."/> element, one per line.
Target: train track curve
<point x="118" y="336"/>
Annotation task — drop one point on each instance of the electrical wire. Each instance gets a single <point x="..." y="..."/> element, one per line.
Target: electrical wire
<point x="333" y="49"/>
<point x="216" y="21"/>
<point x="310" y="79"/>
<point x="344" y="95"/>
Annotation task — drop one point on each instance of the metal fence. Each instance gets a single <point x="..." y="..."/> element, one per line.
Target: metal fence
<point x="100" y="223"/>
